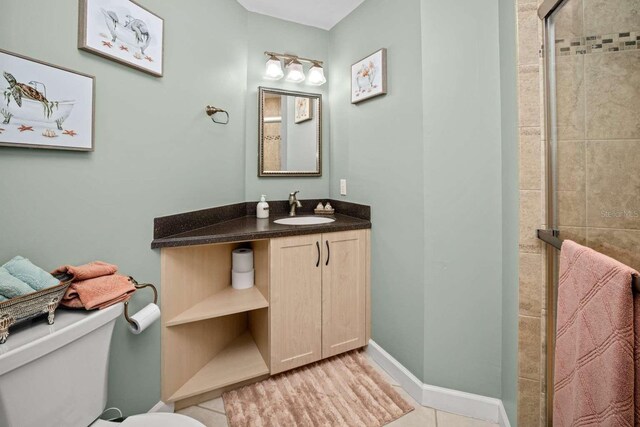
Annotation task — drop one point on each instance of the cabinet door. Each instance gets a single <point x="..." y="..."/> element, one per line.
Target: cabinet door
<point x="296" y="297"/>
<point x="344" y="291"/>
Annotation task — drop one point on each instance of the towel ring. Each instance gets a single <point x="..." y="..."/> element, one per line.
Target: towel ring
<point x="138" y="286"/>
<point x="212" y="111"/>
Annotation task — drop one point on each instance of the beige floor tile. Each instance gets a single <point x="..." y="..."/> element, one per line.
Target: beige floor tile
<point x="419" y="417"/>
<point x="214" y="405"/>
<point x="206" y="417"/>
<point x="446" y="419"/>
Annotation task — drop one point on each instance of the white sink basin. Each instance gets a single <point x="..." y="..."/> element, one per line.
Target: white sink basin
<point x="304" y="220"/>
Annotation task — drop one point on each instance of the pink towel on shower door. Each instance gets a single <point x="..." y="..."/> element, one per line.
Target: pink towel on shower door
<point x="597" y="358"/>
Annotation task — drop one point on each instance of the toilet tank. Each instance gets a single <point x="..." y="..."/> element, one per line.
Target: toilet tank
<point x="56" y="375"/>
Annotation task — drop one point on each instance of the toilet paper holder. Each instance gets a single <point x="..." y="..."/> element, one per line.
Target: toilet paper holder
<point x="139" y="286"/>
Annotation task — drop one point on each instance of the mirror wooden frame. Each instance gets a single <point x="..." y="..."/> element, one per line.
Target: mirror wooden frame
<point x="261" y="97"/>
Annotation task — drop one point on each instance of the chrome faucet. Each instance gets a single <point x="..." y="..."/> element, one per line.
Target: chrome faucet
<point x="294" y="203"/>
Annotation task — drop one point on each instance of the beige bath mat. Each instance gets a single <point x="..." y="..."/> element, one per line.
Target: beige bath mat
<point x="342" y="391"/>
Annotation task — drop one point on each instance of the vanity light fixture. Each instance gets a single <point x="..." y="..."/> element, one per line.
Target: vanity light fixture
<point x="316" y="75"/>
<point x="273" y="70"/>
<point x="295" y="72"/>
<point x="295" y="69"/>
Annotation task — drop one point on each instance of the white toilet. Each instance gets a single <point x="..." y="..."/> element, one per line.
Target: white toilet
<point x="56" y="375"/>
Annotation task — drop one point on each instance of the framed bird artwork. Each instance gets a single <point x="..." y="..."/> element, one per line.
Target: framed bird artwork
<point x="123" y="31"/>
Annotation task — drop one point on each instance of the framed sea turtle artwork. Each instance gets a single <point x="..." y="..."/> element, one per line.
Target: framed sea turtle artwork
<point x="44" y="105"/>
<point x="123" y="31"/>
<point x="369" y="77"/>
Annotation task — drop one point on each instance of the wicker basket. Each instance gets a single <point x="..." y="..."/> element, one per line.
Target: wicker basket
<point x="27" y="307"/>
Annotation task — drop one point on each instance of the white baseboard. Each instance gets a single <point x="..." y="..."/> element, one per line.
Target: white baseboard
<point x="163" y="407"/>
<point x="503" y="419"/>
<point x="444" y="399"/>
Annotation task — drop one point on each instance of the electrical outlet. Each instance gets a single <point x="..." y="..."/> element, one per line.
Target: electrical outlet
<point x="343" y="187"/>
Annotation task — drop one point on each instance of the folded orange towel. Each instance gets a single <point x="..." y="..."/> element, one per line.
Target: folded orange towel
<point x="87" y="271"/>
<point x="99" y="292"/>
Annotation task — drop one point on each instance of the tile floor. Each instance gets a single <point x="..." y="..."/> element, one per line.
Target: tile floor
<point x="212" y="413"/>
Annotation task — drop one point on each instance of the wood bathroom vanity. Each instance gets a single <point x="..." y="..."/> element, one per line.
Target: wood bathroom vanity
<point x="310" y="300"/>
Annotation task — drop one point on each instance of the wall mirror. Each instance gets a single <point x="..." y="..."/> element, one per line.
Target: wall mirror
<point x="290" y="133"/>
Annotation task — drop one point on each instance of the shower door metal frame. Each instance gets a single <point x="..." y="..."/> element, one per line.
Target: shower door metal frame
<point x="545" y="11"/>
<point x="548" y="7"/>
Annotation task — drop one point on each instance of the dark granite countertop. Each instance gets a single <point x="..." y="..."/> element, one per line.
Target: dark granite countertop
<point x="238" y="223"/>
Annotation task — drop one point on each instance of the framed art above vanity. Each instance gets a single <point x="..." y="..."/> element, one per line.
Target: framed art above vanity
<point x="289" y="133"/>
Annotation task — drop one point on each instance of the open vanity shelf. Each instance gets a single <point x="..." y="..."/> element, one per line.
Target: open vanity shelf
<point x="238" y="360"/>
<point x="226" y="302"/>
<point x="213" y="336"/>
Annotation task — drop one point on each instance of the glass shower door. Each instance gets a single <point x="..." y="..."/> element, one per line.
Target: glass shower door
<point x="594" y="114"/>
<point x="593" y="135"/>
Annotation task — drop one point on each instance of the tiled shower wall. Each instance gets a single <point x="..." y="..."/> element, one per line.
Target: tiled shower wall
<point x="531" y="336"/>
<point x="598" y="128"/>
<point x="598" y="133"/>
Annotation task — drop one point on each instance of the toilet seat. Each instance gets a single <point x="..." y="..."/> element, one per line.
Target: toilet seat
<point x="159" y="419"/>
<point x="155" y="419"/>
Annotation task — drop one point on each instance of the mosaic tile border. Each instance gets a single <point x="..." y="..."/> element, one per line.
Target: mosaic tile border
<point x="615" y="42"/>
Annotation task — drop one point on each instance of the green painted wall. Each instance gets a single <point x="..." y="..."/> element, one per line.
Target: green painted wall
<point x="377" y="146"/>
<point x="510" y="206"/>
<point x="463" y="195"/>
<point x="156" y="154"/>
<point x="428" y="159"/>
<point x="270" y="34"/>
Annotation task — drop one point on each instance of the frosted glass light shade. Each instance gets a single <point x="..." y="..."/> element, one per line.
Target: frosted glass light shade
<point x="295" y="72"/>
<point x="273" y="70"/>
<point x="316" y="75"/>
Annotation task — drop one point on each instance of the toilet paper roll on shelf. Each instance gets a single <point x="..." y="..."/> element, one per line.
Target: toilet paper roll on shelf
<point x="242" y="280"/>
<point x="242" y="260"/>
